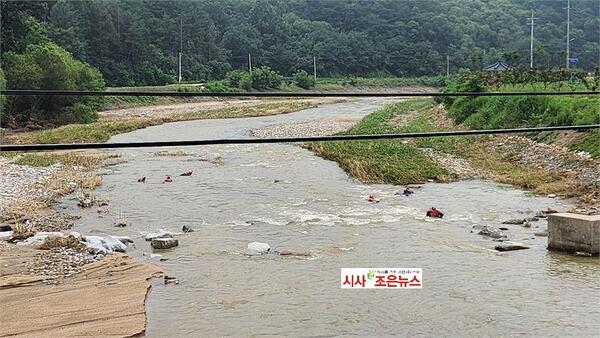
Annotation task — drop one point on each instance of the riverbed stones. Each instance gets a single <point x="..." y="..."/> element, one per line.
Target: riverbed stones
<point x="187" y="228"/>
<point x="491" y="231"/>
<point x="510" y="246"/>
<point x="541" y="233"/>
<point x="164" y="243"/>
<point x="518" y="221"/>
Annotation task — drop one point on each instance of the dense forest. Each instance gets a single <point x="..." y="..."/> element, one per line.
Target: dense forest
<point x="137" y="42"/>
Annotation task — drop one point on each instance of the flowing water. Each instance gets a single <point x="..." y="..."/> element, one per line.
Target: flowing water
<point x="285" y="196"/>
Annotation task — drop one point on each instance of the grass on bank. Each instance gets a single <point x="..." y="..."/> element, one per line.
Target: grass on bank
<point x="397" y="162"/>
<point x="47" y="159"/>
<point x="384" y="161"/>
<point x="101" y="131"/>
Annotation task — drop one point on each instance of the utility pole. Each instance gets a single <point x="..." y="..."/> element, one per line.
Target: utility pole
<point x="531" y="21"/>
<point x="250" y="64"/>
<point x="447" y="65"/>
<point x="568" y="31"/>
<point x="315" y="67"/>
<point x="180" y="46"/>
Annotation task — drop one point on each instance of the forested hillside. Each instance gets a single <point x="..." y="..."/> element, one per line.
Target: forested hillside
<point x="137" y="42"/>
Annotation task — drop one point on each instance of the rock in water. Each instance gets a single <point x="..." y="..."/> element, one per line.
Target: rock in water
<point x="514" y="221"/>
<point x="509" y="246"/>
<point x="156" y="235"/>
<point x="257" y="248"/>
<point x="187" y="228"/>
<point x="85" y="202"/>
<point x="164" y="243"/>
<point x="542" y="233"/>
<point x="488" y="230"/>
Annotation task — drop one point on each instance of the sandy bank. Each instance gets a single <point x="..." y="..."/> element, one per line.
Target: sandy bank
<point x="106" y="298"/>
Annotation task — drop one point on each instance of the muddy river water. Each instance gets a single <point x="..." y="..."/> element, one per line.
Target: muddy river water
<point x="286" y="196"/>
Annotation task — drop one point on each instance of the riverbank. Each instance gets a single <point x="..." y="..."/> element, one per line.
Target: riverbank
<point x="63" y="285"/>
<point x="104" y="298"/>
<point x="543" y="169"/>
<point x="123" y="121"/>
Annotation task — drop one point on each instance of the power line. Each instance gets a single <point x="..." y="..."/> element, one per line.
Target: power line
<point x="568" y="32"/>
<point x="37" y="92"/>
<point x="72" y="146"/>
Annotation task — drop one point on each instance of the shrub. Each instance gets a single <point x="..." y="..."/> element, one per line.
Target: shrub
<point x="303" y="80"/>
<point x="234" y="77"/>
<point x="218" y="87"/>
<point x="265" y="78"/>
<point x="48" y="66"/>
<point x="246" y="82"/>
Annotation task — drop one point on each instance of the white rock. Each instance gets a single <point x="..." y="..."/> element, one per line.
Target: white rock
<point x="551" y="195"/>
<point x="39" y="238"/>
<point x="5" y="235"/>
<point x="257" y="248"/>
<point x="99" y="244"/>
<point x="75" y="234"/>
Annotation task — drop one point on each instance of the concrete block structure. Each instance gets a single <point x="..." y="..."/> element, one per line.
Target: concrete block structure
<point x="574" y="232"/>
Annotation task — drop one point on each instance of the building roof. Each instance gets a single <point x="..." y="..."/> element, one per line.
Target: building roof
<point x="497" y="67"/>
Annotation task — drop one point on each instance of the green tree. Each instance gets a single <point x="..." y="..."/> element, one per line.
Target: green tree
<point x="47" y="66"/>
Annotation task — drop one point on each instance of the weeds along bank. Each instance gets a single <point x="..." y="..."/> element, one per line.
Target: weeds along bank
<point x="489" y="112"/>
<point x="515" y="160"/>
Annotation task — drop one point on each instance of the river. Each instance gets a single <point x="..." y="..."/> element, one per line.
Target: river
<point x="284" y="195"/>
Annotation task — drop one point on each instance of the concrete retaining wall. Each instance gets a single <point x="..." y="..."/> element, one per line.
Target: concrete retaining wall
<point x="573" y="232"/>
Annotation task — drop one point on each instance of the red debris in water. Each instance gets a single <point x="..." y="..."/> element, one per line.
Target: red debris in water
<point x="433" y="212"/>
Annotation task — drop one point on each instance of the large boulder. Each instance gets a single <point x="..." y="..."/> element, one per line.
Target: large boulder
<point x="164" y="243"/>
